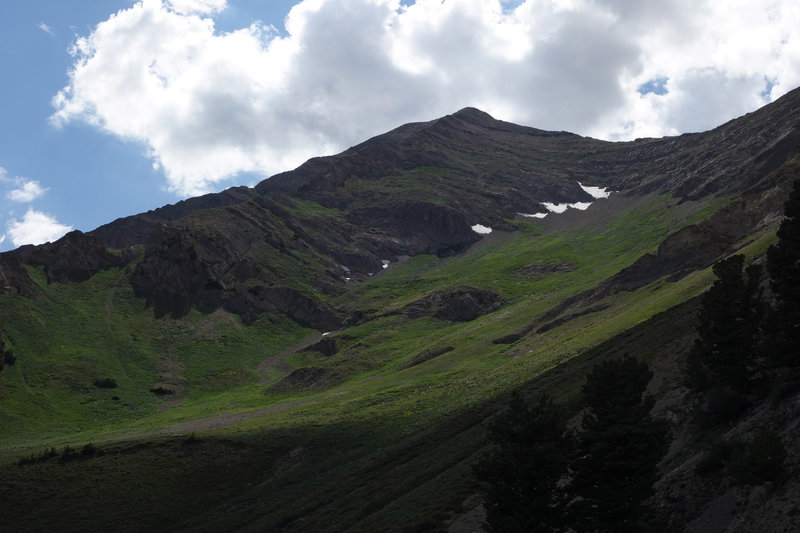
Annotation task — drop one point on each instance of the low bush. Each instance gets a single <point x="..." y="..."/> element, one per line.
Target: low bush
<point x="759" y="460"/>
<point x="105" y="383"/>
<point x="716" y="458"/>
<point x="722" y="405"/>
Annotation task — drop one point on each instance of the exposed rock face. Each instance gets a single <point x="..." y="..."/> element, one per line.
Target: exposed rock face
<point x="427" y="355"/>
<point x="14" y="277"/>
<point x="251" y="302"/>
<point x="185" y="266"/>
<point x="135" y="229"/>
<point x="75" y="257"/>
<point x="460" y="304"/>
<point x="307" y="378"/>
<point x="328" y="346"/>
<point x="698" y="245"/>
<point x="538" y="270"/>
<point x="418" y="227"/>
<point x="7" y="356"/>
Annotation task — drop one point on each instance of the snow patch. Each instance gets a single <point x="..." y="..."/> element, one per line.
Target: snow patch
<point x="483" y="230"/>
<point x="560" y="208"/>
<point x="532" y="215"/>
<point x="555" y="208"/>
<point x="385" y="263"/>
<point x="596" y="192"/>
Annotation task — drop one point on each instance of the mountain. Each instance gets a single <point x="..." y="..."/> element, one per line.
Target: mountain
<point x="319" y="352"/>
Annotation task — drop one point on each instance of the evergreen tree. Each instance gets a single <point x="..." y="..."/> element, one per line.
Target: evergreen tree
<point x="728" y="328"/>
<point x="521" y="473"/>
<point x="619" y="450"/>
<point x="783" y="266"/>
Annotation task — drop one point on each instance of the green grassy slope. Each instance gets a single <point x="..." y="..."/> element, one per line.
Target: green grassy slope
<point x="373" y="473"/>
<point x="376" y="440"/>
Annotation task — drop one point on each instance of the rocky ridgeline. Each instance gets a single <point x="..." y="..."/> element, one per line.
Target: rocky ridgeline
<point x="419" y="189"/>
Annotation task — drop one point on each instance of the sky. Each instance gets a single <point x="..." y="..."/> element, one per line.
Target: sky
<point x="114" y="107"/>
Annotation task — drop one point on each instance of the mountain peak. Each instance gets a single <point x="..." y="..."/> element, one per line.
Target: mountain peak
<point x="474" y="116"/>
<point x="472" y="112"/>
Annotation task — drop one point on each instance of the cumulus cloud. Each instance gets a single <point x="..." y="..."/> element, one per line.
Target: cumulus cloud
<point x="197" y="6"/>
<point x="26" y="191"/>
<point x="35" y="228"/>
<point x="209" y="105"/>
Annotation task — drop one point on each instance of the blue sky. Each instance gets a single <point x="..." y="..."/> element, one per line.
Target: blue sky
<point x="113" y="107"/>
<point x="91" y="177"/>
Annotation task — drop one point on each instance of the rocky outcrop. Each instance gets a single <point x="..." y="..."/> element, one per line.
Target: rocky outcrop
<point x="459" y="304"/>
<point x="697" y="246"/>
<point x="427" y="355"/>
<point x="194" y="265"/>
<point x="7" y="356"/>
<point x="14" y="277"/>
<point x="251" y="302"/>
<point x="307" y="378"/>
<point x="328" y="346"/>
<point x="75" y="257"/>
<point x="136" y="229"/>
<point x="538" y="270"/>
<point x="418" y="227"/>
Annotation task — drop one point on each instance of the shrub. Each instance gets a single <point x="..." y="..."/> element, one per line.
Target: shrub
<point x="88" y="450"/>
<point x="717" y="457"/>
<point x="40" y="458"/>
<point x="758" y="461"/>
<point x="722" y="405"/>
<point x="67" y="454"/>
<point x="105" y="383"/>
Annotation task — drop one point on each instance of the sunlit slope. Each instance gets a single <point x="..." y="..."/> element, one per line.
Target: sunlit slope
<point x="212" y="366"/>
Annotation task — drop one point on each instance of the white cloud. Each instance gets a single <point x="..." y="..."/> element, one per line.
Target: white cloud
<point x="35" y="228"/>
<point x="197" y="6"/>
<point x="209" y="105"/>
<point x="26" y="191"/>
<point x="45" y="28"/>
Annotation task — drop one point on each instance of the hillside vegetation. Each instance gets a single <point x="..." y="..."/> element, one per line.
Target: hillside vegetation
<point x="324" y="352"/>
